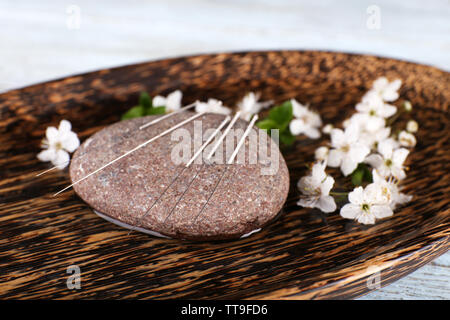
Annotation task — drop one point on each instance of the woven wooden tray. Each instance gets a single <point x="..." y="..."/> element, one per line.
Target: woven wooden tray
<point x="303" y="254"/>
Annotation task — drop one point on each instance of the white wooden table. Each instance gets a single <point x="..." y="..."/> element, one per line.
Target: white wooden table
<point x="42" y="40"/>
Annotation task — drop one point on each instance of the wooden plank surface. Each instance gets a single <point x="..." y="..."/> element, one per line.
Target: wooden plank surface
<point x="429" y="282"/>
<point x="43" y="41"/>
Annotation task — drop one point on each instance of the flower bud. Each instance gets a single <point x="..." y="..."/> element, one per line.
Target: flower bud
<point x="407" y="139"/>
<point x="321" y="153"/>
<point x="327" y="128"/>
<point x="412" y="126"/>
<point x="408" y="106"/>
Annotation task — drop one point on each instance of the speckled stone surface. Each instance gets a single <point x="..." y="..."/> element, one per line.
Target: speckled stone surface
<point x="141" y="190"/>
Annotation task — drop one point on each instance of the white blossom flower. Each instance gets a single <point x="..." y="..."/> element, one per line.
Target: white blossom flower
<point x="390" y="190"/>
<point x="374" y="105"/>
<point x="388" y="91"/>
<point x="391" y="142"/>
<point x="305" y="121"/>
<point x="327" y="128"/>
<point x="372" y="112"/>
<point x="372" y="139"/>
<point x="347" y="122"/>
<point x="321" y="153"/>
<point x="58" y="143"/>
<point x="389" y="161"/>
<point x="172" y="102"/>
<point x="412" y="126"/>
<point x="348" y="152"/>
<point x="407" y="139"/>
<point x="316" y="189"/>
<point x="366" y="205"/>
<point x="213" y="106"/>
<point x="365" y="122"/>
<point x="249" y="105"/>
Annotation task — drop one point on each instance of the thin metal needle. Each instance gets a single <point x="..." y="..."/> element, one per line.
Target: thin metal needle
<point x="184" y="192"/>
<point x="125" y="136"/>
<point x="51" y="169"/>
<point x="236" y="116"/>
<point x="230" y="161"/>
<point x="134" y="149"/>
<point x="166" y="116"/>
<point x="164" y="191"/>
<point x="208" y="141"/>
<point x="210" y="196"/>
<point x="56" y="167"/>
<point x="187" y="165"/>
<point x="241" y="141"/>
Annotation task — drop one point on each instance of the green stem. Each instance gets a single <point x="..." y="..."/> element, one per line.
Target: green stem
<point x="392" y="119"/>
<point x="333" y="193"/>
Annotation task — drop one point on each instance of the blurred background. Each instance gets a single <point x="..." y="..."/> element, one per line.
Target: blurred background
<point x="44" y="40"/>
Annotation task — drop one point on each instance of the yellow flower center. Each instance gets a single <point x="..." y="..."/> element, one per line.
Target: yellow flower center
<point x="58" y="146"/>
<point x="345" y="148"/>
<point x="386" y="192"/>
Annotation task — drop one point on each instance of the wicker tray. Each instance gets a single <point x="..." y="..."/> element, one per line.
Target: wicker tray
<point x="303" y="254"/>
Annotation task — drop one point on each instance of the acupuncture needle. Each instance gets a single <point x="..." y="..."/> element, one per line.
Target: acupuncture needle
<point x="189" y="106"/>
<point x="230" y="161"/>
<point x="140" y="128"/>
<point x="134" y="149"/>
<point x="52" y="168"/>
<point x="230" y="125"/>
<point x="236" y="116"/>
<point x="189" y="163"/>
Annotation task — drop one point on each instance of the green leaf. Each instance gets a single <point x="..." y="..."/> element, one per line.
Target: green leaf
<point x="361" y="174"/>
<point x="357" y="176"/>
<point x="281" y="114"/>
<point x="286" y="137"/>
<point x="267" y="124"/>
<point x="144" y="108"/>
<point x="135" y="112"/>
<point x="145" y="101"/>
<point x="279" y="118"/>
<point x="367" y="175"/>
<point x="156" y="110"/>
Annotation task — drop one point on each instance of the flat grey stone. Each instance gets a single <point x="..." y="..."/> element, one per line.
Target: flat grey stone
<point x="147" y="191"/>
